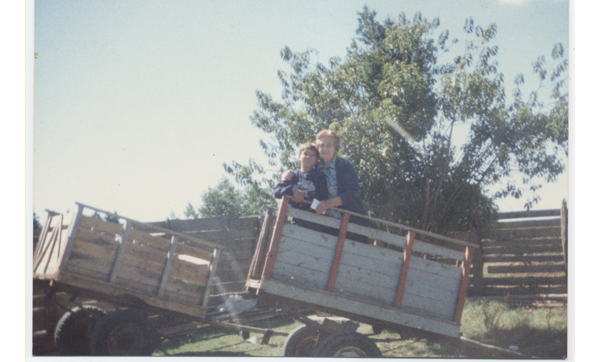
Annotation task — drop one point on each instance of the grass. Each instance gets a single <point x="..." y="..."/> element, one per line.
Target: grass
<point x="539" y="332"/>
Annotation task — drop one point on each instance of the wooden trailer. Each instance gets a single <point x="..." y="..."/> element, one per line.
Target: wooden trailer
<point x="405" y="279"/>
<point x="117" y="279"/>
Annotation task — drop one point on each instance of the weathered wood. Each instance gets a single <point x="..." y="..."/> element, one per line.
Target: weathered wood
<point x="115" y="290"/>
<point x="401" y="286"/>
<point x="520" y="250"/>
<point x="346" y="305"/>
<point x="564" y="233"/>
<point x="498" y="258"/>
<point x="335" y="264"/>
<point x="547" y="268"/>
<point x="462" y="293"/>
<point x="528" y="214"/>
<point x="527" y="224"/>
<point x="167" y="268"/>
<point x="189" y="272"/>
<point x="210" y="281"/>
<point x="183" y="249"/>
<point x="524" y="281"/>
<point x="281" y="218"/>
<point x="540" y="291"/>
<point x="122" y="240"/>
<point x="524" y="233"/>
<point x="436" y="250"/>
<point x="261" y="245"/>
<point x="217" y="223"/>
<point x="143" y="238"/>
<point x="218" y="236"/>
<point x="100" y="225"/>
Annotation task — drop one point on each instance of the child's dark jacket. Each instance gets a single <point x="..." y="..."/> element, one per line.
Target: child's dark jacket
<point x="312" y="183"/>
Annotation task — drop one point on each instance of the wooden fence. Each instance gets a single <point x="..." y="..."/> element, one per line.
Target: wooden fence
<point x="238" y="237"/>
<point x="523" y="257"/>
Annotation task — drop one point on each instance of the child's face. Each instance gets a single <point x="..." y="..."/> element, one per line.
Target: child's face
<point x="308" y="159"/>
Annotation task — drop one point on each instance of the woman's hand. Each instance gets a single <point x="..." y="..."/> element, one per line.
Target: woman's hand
<point x="286" y="176"/>
<point x="328" y="204"/>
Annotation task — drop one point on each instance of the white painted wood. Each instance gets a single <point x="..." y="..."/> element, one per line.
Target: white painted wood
<point x="318" y="262"/>
<point x="312" y="217"/>
<point x="300" y="276"/>
<point x="433" y="281"/>
<point x="426" y="287"/>
<point x="389" y="238"/>
<point x="444" y="310"/>
<point x="308" y="236"/>
<point x="437" y="250"/>
<point x="361" y="275"/>
<point x="347" y="285"/>
<point x="345" y="305"/>
<point x="434" y="267"/>
<point x="371" y="257"/>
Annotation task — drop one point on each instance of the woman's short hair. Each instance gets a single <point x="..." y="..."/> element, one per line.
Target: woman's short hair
<point x="329" y="133"/>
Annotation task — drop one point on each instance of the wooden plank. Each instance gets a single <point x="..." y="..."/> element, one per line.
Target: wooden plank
<point x="437" y="250"/>
<point x="280" y="221"/>
<point x="191" y="273"/>
<point x="313" y="261"/>
<point x="503" y="243"/>
<point x="309" y="237"/>
<point x="349" y="306"/>
<point x="183" y="249"/>
<point x="370" y="292"/>
<point x="103" y="250"/>
<point x="506" y="269"/>
<point x="133" y="260"/>
<point x="381" y="279"/>
<point x="378" y="235"/>
<point x="428" y="307"/>
<point x="312" y="217"/>
<point x="122" y="240"/>
<point x="218" y="235"/>
<point x="86" y="238"/>
<point x="401" y="286"/>
<point x="100" y="225"/>
<point x="516" y="250"/>
<point x="464" y="280"/>
<point x="524" y="281"/>
<point x="217" y="223"/>
<point x="210" y="281"/>
<point x="238" y="244"/>
<point x="85" y="265"/>
<point x="528" y="214"/>
<point x="419" y="265"/>
<point x="523" y="258"/>
<point x="527" y="224"/>
<point x="165" y="274"/>
<point x="143" y="238"/>
<point x="510" y="292"/>
<point x="335" y="264"/>
<point x="295" y="275"/>
<point x="381" y="260"/>
<point x="115" y="290"/>
<point x="433" y="288"/>
<point x="524" y="233"/>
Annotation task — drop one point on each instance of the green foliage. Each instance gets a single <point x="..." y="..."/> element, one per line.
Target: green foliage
<point x="226" y="200"/>
<point x="396" y="100"/>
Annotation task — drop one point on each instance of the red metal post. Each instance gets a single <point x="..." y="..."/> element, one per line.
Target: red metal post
<point x="462" y="292"/>
<point x="270" y="259"/>
<point x="410" y="238"/>
<point x="338" y="252"/>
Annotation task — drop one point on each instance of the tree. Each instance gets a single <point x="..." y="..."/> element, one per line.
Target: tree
<point x="225" y="200"/>
<point x="396" y="103"/>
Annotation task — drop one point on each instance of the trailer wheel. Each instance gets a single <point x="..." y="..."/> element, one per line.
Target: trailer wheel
<point x="72" y="333"/>
<point x="123" y="333"/>
<point x="301" y="342"/>
<point x="347" y="344"/>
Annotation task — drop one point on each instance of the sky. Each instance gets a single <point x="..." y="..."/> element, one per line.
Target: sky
<point x="137" y="104"/>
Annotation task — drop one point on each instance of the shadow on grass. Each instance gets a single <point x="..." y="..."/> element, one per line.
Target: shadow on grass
<point x="210" y="333"/>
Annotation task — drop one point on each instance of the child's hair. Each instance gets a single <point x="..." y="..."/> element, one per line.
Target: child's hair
<point x="309" y="146"/>
<point x="329" y="133"/>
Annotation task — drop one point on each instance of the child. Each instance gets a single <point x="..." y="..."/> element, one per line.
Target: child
<point x="306" y="184"/>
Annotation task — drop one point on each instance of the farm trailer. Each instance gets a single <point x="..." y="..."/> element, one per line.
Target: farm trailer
<point x="405" y="279"/>
<point x="120" y="282"/>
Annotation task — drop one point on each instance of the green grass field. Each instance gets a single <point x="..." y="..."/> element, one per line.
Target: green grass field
<point x="538" y="332"/>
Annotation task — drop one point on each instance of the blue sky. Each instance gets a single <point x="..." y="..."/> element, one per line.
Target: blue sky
<point x="138" y="103"/>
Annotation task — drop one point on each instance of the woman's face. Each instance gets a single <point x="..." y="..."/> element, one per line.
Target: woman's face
<point x="327" y="149"/>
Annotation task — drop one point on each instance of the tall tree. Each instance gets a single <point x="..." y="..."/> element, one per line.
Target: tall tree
<point x="396" y="104"/>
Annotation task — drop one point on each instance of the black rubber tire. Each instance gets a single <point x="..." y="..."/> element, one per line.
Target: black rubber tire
<point x="124" y="332"/>
<point x="301" y="342"/>
<point x="73" y="330"/>
<point x="347" y="344"/>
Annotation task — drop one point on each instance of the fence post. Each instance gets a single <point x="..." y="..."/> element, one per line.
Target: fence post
<point x="564" y="233"/>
